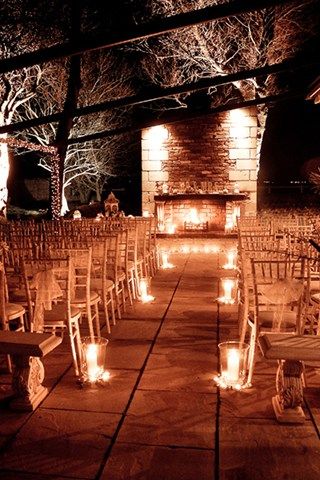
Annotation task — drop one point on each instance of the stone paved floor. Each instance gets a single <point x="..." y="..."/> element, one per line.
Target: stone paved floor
<point x="161" y="417"/>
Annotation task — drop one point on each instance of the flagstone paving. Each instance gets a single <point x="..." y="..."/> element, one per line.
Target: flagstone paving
<point x="161" y="416"/>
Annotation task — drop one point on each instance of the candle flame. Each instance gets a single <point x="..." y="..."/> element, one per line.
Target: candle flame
<point x="165" y="263"/>
<point x="144" y="295"/>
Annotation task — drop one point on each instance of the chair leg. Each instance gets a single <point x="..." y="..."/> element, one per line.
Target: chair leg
<point x="123" y="295"/>
<point x="72" y="336"/>
<point x="113" y="308"/>
<point x="117" y="293"/>
<point x="96" y="318"/>
<point x="129" y="288"/>
<point x="106" y="312"/>
<point x="251" y="356"/>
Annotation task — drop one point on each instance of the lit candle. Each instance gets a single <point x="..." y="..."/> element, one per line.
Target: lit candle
<point x="230" y="260"/>
<point x="143" y="289"/>
<point x="233" y="364"/>
<point x="165" y="263"/>
<point x="92" y="362"/>
<point x="144" y="296"/>
<point x="164" y="259"/>
<point x="229" y="226"/>
<point x="171" y="228"/>
<point x="227" y="290"/>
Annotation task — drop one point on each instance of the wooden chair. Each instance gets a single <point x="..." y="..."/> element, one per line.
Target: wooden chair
<point x="113" y="271"/>
<point x="277" y="300"/>
<point x="100" y="281"/>
<point x="11" y="314"/>
<point x="83" y="296"/>
<point x="54" y="313"/>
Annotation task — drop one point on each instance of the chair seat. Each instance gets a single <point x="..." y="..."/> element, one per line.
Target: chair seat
<point x="14" y="310"/>
<point x="80" y="301"/>
<point x="315" y="297"/>
<point x="121" y="276"/>
<point x="59" y="314"/>
<point x="267" y="320"/>
<point x="96" y="284"/>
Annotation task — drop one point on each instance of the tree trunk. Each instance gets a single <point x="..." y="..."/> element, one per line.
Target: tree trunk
<point x="4" y="174"/>
<point x="66" y="122"/>
<point x="65" y="206"/>
<point x="262" y="118"/>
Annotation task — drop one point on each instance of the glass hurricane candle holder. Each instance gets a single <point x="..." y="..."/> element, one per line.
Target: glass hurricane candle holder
<point x="144" y="286"/>
<point x="165" y="261"/>
<point x="233" y="365"/>
<point x="93" y="360"/>
<point x="228" y="296"/>
<point x="231" y="258"/>
<point x="171" y="228"/>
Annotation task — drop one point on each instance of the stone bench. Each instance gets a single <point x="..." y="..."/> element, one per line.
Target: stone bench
<point x="26" y="349"/>
<point x="291" y="351"/>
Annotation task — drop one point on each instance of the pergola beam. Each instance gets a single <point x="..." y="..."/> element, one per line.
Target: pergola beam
<point x="175" y="118"/>
<point x="157" y="26"/>
<point x="158" y="93"/>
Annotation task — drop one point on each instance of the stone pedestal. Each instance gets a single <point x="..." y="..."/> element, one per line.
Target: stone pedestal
<point x="28" y="371"/>
<point x="291" y="351"/>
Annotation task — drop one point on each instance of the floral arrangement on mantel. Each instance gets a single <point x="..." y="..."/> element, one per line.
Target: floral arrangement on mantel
<point x="163" y="188"/>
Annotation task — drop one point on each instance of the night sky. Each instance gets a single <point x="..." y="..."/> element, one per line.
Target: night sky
<point x="292" y="138"/>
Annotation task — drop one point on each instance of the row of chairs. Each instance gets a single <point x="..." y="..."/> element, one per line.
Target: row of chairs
<point x="94" y="270"/>
<point x="279" y="285"/>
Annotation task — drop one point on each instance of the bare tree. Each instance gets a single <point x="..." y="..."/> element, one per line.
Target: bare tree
<point x="22" y="28"/>
<point x="250" y="40"/>
<point x="88" y="164"/>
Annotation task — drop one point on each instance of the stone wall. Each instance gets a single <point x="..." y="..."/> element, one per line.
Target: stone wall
<point x="215" y="150"/>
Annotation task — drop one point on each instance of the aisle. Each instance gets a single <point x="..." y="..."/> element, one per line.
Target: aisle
<point x="161" y="417"/>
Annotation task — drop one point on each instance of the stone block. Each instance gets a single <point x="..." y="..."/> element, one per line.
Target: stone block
<point x="247" y="186"/>
<point x="253" y="132"/>
<point x="154" y="165"/>
<point x="158" y="176"/>
<point x="253" y="153"/>
<point x="247" y="142"/>
<point x="145" y="197"/>
<point x="144" y="155"/>
<point x="148" y="186"/>
<point x="254" y="175"/>
<point x="153" y="462"/>
<point x="246" y="165"/>
<point x="239" y="132"/>
<point x="238" y="175"/>
<point x="144" y="135"/>
<point x="236" y="153"/>
<point x="158" y="154"/>
<point x="250" y="206"/>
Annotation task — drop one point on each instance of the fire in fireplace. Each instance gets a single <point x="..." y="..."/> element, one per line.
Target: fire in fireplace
<point x="193" y="222"/>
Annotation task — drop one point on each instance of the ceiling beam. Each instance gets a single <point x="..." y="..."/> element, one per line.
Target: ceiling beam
<point x="184" y="116"/>
<point x="157" y="93"/>
<point x="156" y="26"/>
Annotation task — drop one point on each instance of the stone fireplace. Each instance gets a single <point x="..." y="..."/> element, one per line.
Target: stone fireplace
<point x="196" y="213"/>
<point x="207" y="165"/>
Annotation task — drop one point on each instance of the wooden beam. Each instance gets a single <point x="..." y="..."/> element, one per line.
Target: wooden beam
<point x="158" y="93"/>
<point x="156" y="26"/>
<point x="184" y="116"/>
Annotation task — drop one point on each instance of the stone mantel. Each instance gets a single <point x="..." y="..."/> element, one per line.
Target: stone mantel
<point x="228" y="197"/>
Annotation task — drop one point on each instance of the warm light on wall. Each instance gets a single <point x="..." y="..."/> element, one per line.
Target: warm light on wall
<point x="157" y="135"/>
<point x="238" y="117"/>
